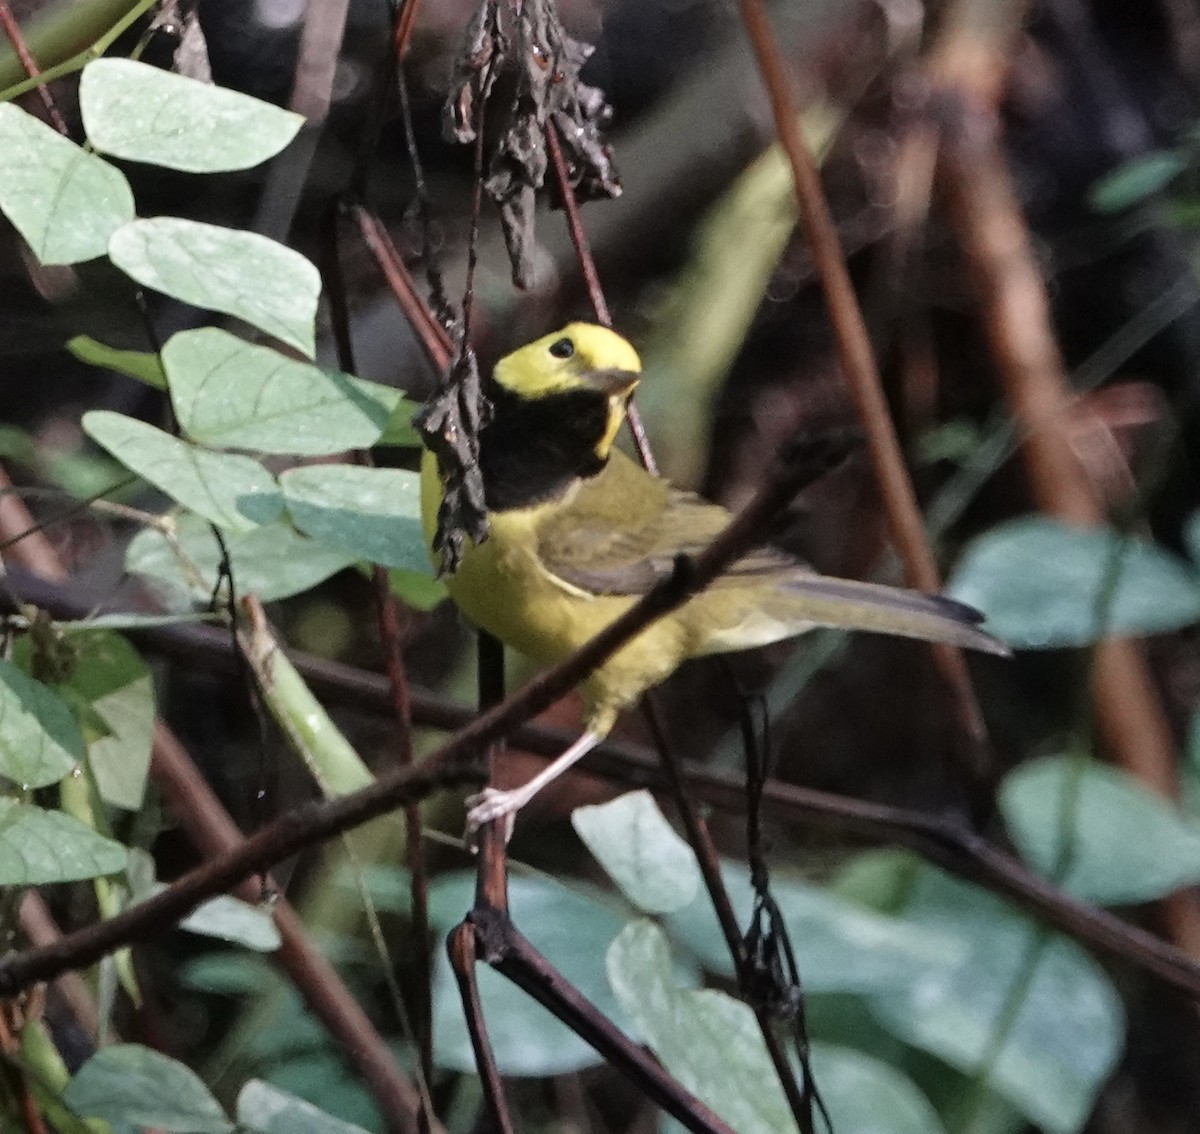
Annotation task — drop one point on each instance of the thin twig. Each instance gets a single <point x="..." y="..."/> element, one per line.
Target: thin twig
<point x="463" y="947"/>
<point x="13" y="30"/>
<point x="438" y="347"/>
<point x="591" y="277"/>
<point x="866" y="389"/>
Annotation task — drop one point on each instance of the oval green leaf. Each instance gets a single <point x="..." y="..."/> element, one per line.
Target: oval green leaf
<point x="142" y="113"/>
<point x="265" y="1109"/>
<point x="1060" y="1040"/>
<point x="372" y="514"/>
<point x="235" y="395"/>
<point x="1133" y="181"/>
<point x="40" y="741"/>
<point x="273" y="561"/>
<point x="1044" y="584"/>
<point x="65" y="202"/>
<point x="110" y="678"/>
<point x="39" y="847"/>
<point x="222" y="269"/>
<point x="131" y="1085"/>
<point x="642" y="853"/>
<point x="230" y="919"/>
<point x="233" y="491"/>
<point x="1121" y="842"/>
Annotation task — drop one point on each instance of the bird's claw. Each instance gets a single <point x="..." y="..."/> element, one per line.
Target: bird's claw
<point x="492" y="804"/>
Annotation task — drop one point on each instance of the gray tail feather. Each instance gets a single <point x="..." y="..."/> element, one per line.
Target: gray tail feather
<point x="892" y="610"/>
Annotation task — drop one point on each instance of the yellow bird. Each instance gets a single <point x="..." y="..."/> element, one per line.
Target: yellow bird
<point x="578" y="531"/>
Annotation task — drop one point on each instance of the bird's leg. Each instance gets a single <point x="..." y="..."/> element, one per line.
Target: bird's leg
<point x="492" y="804"/>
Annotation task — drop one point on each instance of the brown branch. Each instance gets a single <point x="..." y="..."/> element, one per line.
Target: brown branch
<point x="463" y="945"/>
<point x="591" y="279"/>
<point x="862" y="378"/>
<point x="13" y="30"/>
<point x="293" y="831"/>
<point x="943" y="842"/>
<point x="510" y="953"/>
<point x="433" y="337"/>
<point x="40" y="928"/>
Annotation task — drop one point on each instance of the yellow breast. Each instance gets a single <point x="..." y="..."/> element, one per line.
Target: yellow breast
<point x="503" y="587"/>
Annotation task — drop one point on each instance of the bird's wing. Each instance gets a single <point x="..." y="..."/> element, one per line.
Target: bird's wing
<point x="622" y="531"/>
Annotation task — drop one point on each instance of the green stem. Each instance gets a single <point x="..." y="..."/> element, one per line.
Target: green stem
<point x="62" y="34"/>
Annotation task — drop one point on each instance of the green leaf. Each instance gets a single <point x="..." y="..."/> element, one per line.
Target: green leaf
<point x="570" y="927"/>
<point x="140" y="113"/>
<point x="631" y="838"/>
<point x="272" y="1111"/>
<point x="1133" y="181"/>
<point x="233" y="491"/>
<point x="131" y="1085"/>
<point x="273" y="561"/>
<point x="708" y="1041"/>
<point x="867" y="1096"/>
<point x="372" y="514"/>
<point x="230" y="919"/>
<point x="17" y="445"/>
<point x="1126" y="844"/>
<point x="841" y="946"/>
<point x="139" y="364"/>
<point x="399" y="431"/>
<point x="222" y="269"/>
<point x="65" y="202"/>
<point x="1065" y="1033"/>
<point x="320" y="1076"/>
<point x="1043" y="584"/>
<point x="231" y="394"/>
<point x="38" y="847"/>
<point x="39" y="739"/>
<point x="109" y="676"/>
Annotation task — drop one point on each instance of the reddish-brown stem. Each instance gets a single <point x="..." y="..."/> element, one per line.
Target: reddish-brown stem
<point x="511" y="954"/>
<point x="40" y="928"/>
<point x="863" y="381"/>
<point x="13" y="30"/>
<point x="463" y="947"/>
<point x="591" y="279"/>
<point x="438" y="347"/>
<point x="405" y="22"/>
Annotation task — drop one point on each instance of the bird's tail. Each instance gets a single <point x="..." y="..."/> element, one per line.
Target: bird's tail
<point x="819" y="600"/>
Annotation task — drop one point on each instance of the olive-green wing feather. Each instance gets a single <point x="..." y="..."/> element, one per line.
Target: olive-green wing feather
<point x="622" y="531"/>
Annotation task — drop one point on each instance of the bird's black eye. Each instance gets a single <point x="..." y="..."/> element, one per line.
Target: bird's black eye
<point x="562" y="348"/>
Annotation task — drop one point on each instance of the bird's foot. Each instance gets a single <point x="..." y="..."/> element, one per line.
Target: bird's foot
<point x="491" y="804"/>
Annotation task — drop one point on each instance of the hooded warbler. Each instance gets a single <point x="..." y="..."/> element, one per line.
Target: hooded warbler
<point x="578" y="531"/>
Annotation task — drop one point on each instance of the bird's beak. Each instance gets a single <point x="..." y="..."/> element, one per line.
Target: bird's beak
<point x="614" y="383"/>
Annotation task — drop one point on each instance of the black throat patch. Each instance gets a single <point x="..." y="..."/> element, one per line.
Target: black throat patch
<point x="533" y="449"/>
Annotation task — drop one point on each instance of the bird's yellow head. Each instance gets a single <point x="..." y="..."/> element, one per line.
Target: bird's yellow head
<point x="580" y="357"/>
